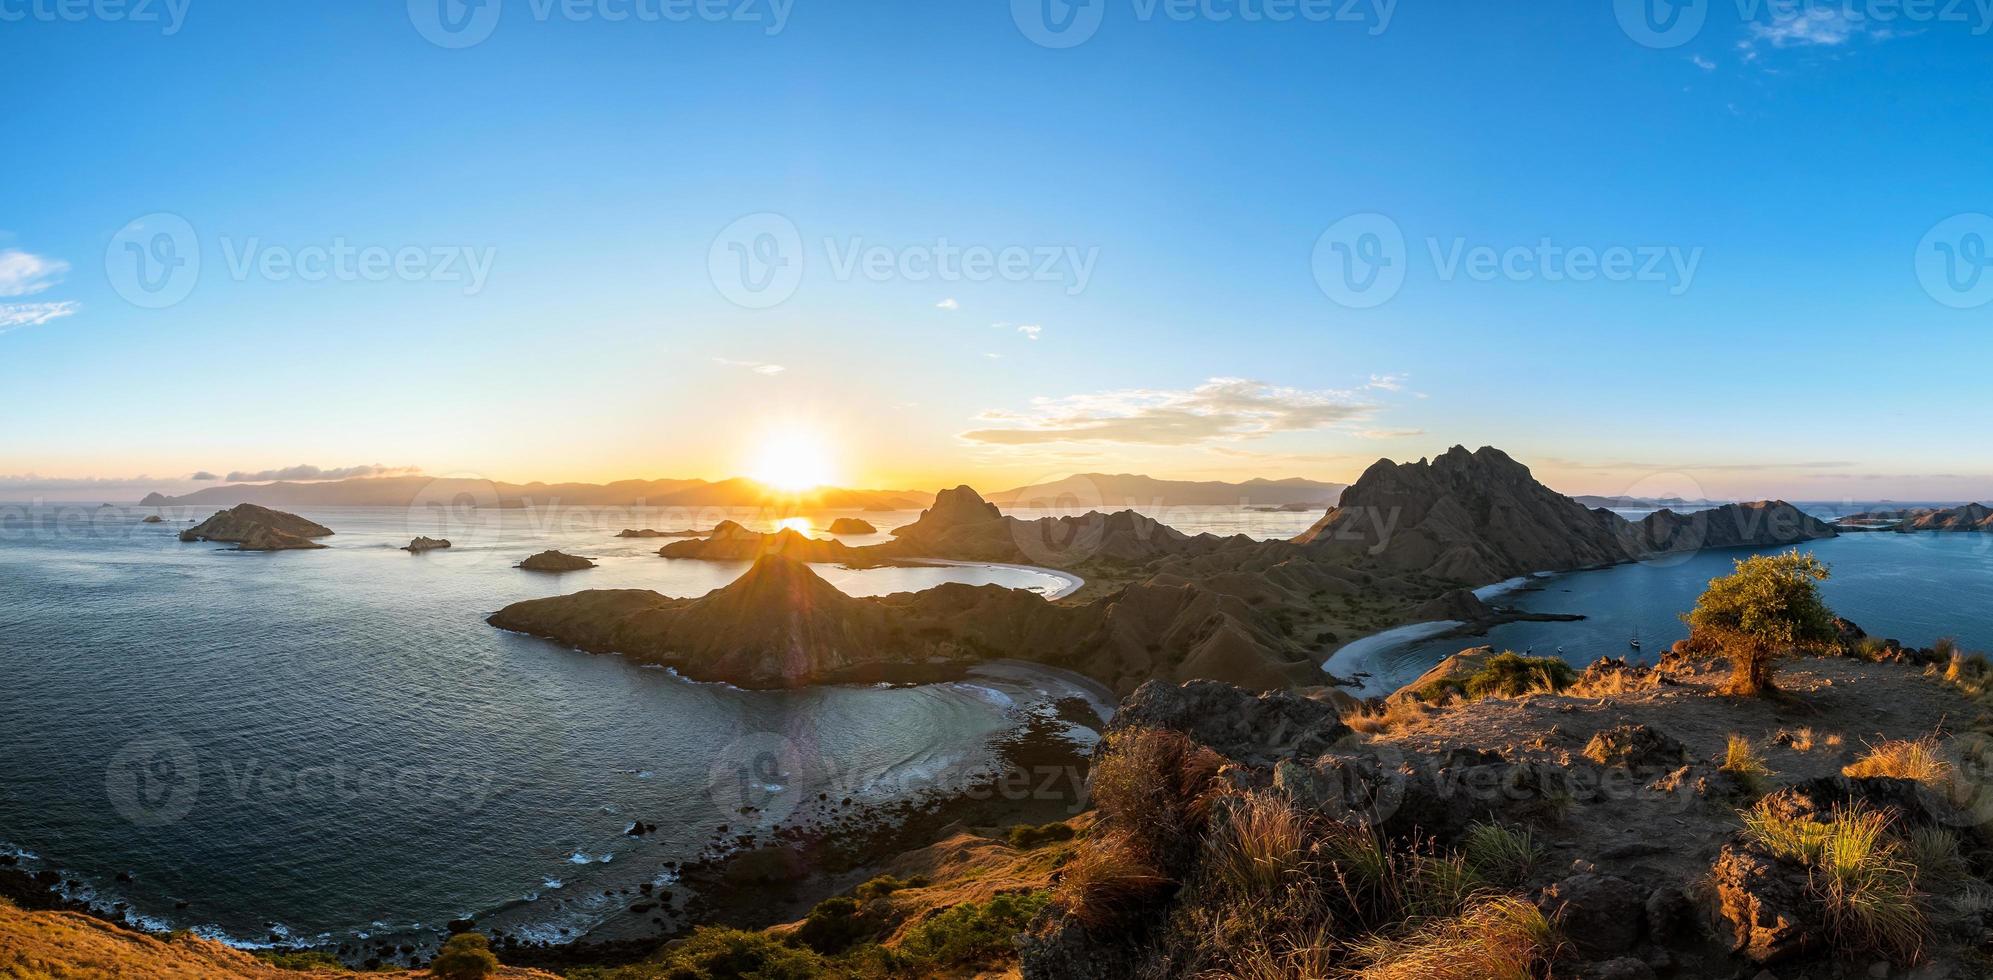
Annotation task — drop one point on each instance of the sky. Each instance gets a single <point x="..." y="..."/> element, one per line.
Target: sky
<point x="1726" y="248"/>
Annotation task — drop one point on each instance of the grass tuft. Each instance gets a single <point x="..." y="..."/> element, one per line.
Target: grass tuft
<point x="1502" y="938"/>
<point x="1922" y="760"/>
<point x="1864" y="876"/>
<point x="1503" y="855"/>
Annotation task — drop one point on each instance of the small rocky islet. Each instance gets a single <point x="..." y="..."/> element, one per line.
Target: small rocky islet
<point x="255" y="528"/>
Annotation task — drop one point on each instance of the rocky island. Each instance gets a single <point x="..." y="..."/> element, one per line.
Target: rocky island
<point x="850" y="525"/>
<point x="253" y="528"/>
<point x="422" y="544"/>
<point x="555" y="561"/>
<point x="1970" y="517"/>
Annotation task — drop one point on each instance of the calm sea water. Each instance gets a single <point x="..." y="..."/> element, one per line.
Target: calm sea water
<point x="1914" y="587"/>
<point x="332" y="744"/>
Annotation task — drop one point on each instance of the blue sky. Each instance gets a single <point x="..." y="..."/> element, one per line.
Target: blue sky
<point x="550" y="234"/>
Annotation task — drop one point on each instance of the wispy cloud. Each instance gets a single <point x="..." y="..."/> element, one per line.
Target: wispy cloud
<point x="1390" y="433"/>
<point x="1031" y="330"/>
<point x="1812" y="25"/>
<point x="1387" y="382"/>
<point x="24" y="273"/>
<point x="758" y="367"/>
<point x="1703" y="63"/>
<point x="305" y="472"/>
<point x="1221" y="408"/>
<point x="34" y="314"/>
<point x="948" y="304"/>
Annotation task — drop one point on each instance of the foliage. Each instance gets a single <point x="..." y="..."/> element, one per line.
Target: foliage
<point x="1503" y="938"/>
<point x="1501" y="854"/>
<point x="301" y="960"/>
<point x="1743" y="760"/>
<point x="465" y="956"/>
<point x="973" y="934"/>
<point x="1024" y="837"/>
<point x="1770" y="606"/>
<point x="1506" y="674"/>
<point x="1862" y="874"/>
<point x="1922" y="760"/>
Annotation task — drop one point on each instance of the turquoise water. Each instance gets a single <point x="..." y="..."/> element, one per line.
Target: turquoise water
<point x="1914" y="587"/>
<point x="329" y="744"/>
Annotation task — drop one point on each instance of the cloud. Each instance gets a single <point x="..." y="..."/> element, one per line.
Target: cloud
<point x="305" y="472"/>
<point x="1390" y="433"/>
<point x="205" y="477"/>
<point x="1221" y="408"/>
<point x="14" y="315"/>
<point x="24" y="273"/>
<point x="1703" y="63"/>
<point x="1387" y="382"/>
<point x="1812" y="25"/>
<point x="29" y="482"/>
<point x="757" y="367"/>
<point x="1031" y="330"/>
<point x="948" y="304"/>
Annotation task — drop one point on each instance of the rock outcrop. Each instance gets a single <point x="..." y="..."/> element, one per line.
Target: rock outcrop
<point x="651" y="533"/>
<point x="153" y="519"/>
<point x="851" y="525"/>
<point x="555" y="561"/>
<point x="253" y="528"/>
<point x="1258" y="728"/>
<point x="732" y="542"/>
<point x="1479" y="517"/>
<point x="422" y="544"/>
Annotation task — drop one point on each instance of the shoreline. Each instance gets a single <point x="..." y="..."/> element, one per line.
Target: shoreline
<point x="1073" y="583"/>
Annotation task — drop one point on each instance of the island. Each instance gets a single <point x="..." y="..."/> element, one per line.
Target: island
<point x="555" y="561"/>
<point x="253" y="528"/>
<point x="422" y="544"/>
<point x="851" y="525"/>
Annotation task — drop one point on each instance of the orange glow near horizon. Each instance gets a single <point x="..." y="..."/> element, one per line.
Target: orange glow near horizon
<point x="793" y="460"/>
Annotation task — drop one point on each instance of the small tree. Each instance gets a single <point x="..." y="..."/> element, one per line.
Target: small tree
<point x="466" y="956"/>
<point x="1770" y="606"/>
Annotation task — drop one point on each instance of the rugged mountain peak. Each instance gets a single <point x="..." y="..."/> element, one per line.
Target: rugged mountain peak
<point x="952" y="509"/>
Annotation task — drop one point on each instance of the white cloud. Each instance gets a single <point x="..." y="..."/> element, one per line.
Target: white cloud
<point x="757" y="367"/>
<point x="1390" y="433"/>
<point x="1387" y="382"/>
<point x="24" y="273"/>
<point x="34" y="314"/>
<point x="307" y="472"/>
<point x="1031" y="330"/>
<point x="994" y="357"/>
<point x="1703" y="63"/>
<point x="1813" y="25"/>
<point x="948" y="304"/>
<point x="1221" y="408"/>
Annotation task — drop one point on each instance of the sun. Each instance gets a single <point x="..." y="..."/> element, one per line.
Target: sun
<point x="793" y="460"/>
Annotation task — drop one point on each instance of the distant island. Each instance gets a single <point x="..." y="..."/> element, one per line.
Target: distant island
<point x="1115" y="491"/>
<point x="253" y="528"/>
<point x="415" y="491"/>
<point x="1969" y="517"/>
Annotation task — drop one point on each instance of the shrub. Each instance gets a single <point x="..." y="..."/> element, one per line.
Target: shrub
<point x="974" y="934"/>
<point x="835" y="925"/>
<point x="1108" y="881"/>
<point x="301" y="960"/>
<point x="884" y="885"/>
<point x="1742" y="759"/>
<point x="1769" y="607"/>
<point x="1921" y="760"/>
<point x="465" y="956"/>
<point x="1153" y="787"/>
<point x="1861" y="874"/>
<point x="1260" y="846"/>
<point x="1501" y="854"/>
<point x="720" y="953"/>
<point x="1501" y="938"/>
<point x="1506" y="674"/>
<point x="1024" y="837"/>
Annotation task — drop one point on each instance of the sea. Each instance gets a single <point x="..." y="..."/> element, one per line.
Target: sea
<point x="326" y="747"/>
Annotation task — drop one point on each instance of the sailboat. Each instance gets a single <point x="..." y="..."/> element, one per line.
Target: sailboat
<point x="1635" y="642"/>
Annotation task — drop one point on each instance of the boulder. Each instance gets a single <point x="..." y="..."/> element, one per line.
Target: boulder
<point x="1636" y="747"/>
<point x="1603" y="914"/>
<point x="1764" y="907"/>
<point x="554" y="561"/>
<point x="1248" y="727"/>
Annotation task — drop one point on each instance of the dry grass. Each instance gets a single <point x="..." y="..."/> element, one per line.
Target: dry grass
<point x="1921" y="760"/>
<point x="1393" y="715"/>
<point x="1260" y="847"/>
<point x="1502" y="938"/>
<point x="1743" y="760"/>
<point x="1154" y="787"/>
<point x="1863" y="875"/>
<point x="1108" y="881"/>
